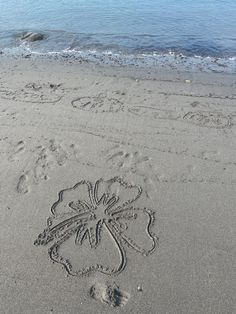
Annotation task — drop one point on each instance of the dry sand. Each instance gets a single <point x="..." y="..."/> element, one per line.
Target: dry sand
<point x="138" y="180"/>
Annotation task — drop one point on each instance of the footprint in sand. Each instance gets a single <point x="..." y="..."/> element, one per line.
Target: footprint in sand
<point x="22" y="186"/>
<point x="46" y="159"/>
<point x="58" y="152"/>
<point x="127" y="161"/>
<point x="41" y="166"/>
<point x="109" y="294"/>
<point x="17" y="150"/>
<point x="36" y="174"/>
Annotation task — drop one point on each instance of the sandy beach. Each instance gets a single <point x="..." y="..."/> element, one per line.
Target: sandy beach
<point x="117" y="190"/>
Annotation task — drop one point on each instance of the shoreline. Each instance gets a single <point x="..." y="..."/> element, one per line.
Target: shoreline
<point x="149" y="62"/>
<point x="156" y="73"/>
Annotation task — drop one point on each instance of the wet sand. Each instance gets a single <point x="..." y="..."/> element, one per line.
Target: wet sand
<point x="117" y="190"/>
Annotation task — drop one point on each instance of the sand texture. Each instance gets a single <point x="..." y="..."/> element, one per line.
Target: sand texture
<point x="117" y="191"/>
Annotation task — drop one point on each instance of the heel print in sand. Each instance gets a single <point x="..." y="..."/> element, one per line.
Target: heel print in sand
<point x="98" y="220"/>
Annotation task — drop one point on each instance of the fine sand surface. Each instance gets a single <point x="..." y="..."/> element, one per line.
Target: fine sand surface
<point x="117" y="190"/>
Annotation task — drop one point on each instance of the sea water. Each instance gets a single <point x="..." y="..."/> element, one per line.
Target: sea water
<point x="125" y="31"/>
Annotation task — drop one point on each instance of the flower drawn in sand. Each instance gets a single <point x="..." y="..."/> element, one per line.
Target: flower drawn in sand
<point x="97" y="216"/>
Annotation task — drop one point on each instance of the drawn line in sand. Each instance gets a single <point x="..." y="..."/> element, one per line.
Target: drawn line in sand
<point x="210" y="95"/>
<point x="98" y="104"/>
<point x="206" y="119"/>
<point x="109" y="294"/>
<point x="82" y="217"/>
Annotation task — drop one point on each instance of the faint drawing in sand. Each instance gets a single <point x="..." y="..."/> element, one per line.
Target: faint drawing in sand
<point x="98" y="104"/>
<point x="32" y="93"/>
<point x="87" y="216"/>
<point x="208" y="119"/>
<point x="109" y="294"/>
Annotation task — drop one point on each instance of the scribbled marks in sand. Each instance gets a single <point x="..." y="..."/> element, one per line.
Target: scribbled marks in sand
<point x="98" y="104"/>
<point x="110" y="294"/>
<point x="208" y="119"/>
<point x="33" y="93"/>
<point x="98" y="216"/>
<point x="45" y="158"/>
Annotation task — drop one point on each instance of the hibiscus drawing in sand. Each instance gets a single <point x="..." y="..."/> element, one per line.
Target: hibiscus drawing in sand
<point x="88" y="217"/>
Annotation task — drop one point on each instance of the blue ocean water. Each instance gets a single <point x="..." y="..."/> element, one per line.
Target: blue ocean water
<point x="203" y="28"/>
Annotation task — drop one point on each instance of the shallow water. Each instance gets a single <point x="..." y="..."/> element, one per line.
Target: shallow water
<point x="201" y="27"/>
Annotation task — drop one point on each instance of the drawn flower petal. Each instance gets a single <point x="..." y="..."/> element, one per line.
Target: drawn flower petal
<point x="116" y="193"/>
<point x="89" y="233"/>
<point x="133" y="227"/>
<point x="108" y="257"/>
<point x="60" y="225"/>
<point x="81" y="234"/>
<point x="75" y="199"/>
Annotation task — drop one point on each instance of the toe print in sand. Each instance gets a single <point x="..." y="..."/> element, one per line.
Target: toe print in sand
<point x="92" y="224"/>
